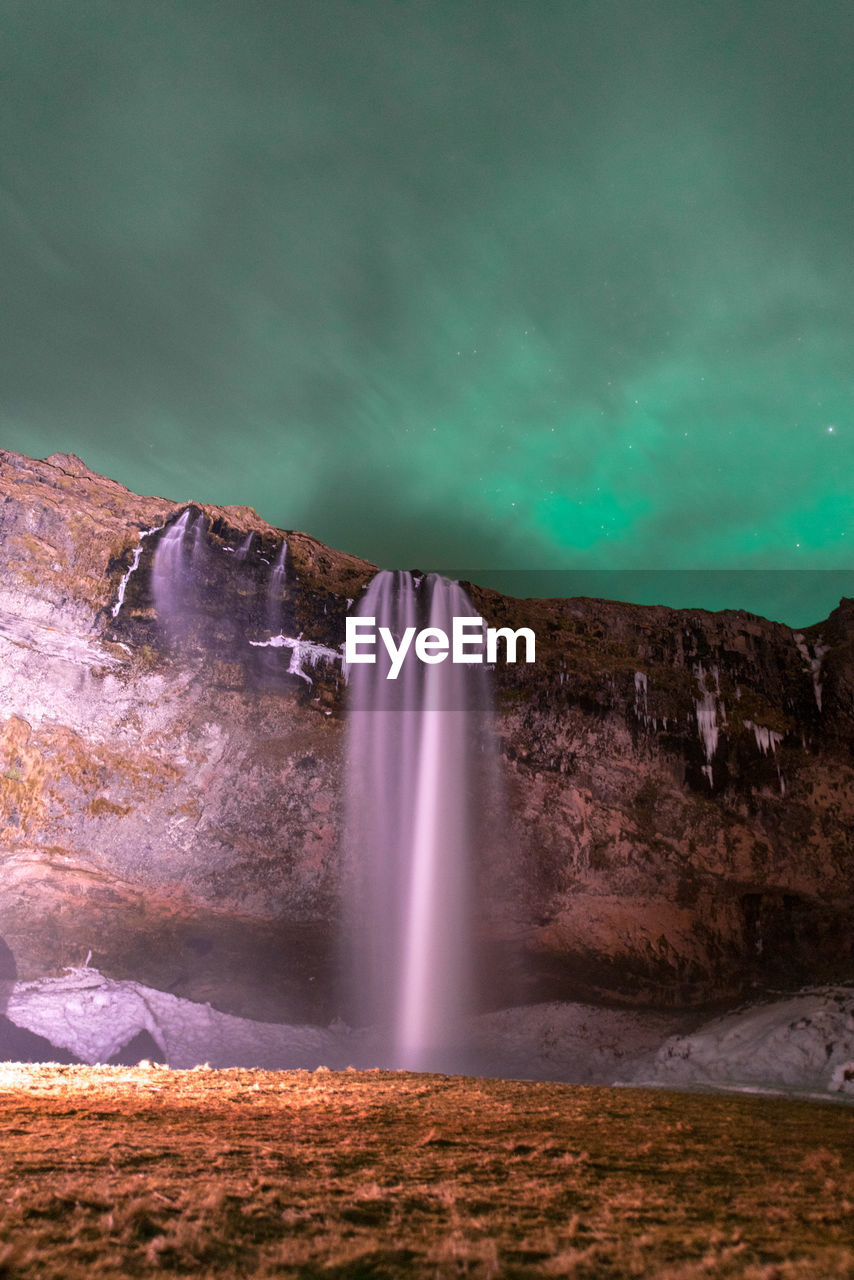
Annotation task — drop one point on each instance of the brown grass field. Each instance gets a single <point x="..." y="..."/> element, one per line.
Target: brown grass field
<point x="119" y="1172"/>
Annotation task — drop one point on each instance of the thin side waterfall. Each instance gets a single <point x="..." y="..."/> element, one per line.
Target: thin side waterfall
<point x="278" y="576"/>
<point x="413" y="759"/>
<point x="198" y="540"/>
<point x="275" y="589"/>
<point x="245" y="546"/>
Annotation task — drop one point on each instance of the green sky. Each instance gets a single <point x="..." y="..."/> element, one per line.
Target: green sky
<point x="528" y="285"/>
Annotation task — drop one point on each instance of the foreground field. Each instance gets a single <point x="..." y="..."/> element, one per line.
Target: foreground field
<point x="120" y="1172"/>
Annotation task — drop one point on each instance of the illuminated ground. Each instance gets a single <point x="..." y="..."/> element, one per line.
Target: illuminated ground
<point x="145" y="1171"/>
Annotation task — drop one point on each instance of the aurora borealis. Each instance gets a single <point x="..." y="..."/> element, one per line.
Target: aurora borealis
<point x="470" y="284"/>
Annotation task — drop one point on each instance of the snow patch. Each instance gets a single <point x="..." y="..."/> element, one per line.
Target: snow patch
<point x="95" y="1017"/>
<point x="842" y="1080"/>
<point x="803" y="1043"/>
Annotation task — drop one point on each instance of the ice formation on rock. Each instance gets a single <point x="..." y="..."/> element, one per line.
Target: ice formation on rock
<point x="641" y="703"/>
<point x="707" y="719"/>
<point x="805" y="1042"/>
<point x="766" y="739"/>
<point x="813" y="661"/>
<point x="310" y="651"/>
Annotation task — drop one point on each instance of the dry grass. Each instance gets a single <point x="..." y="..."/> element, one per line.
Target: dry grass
<point x="114" y="1172"/>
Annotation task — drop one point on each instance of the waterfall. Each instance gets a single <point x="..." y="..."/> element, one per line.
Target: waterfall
<point x="198" y="552"/>
<point x="414" y="748"/>
<point x="169" y="571"/>
<point x="245" y="546"/>
<point x="275" y="589"/>
<point x="178" y="571"/>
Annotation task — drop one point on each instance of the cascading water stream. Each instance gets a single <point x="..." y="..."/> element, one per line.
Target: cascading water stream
<point x="278" y="576"/>
<point x="198" y="551"/>
<point x="436" y="976"/>
<point x="178" y="573"/>
<point x="411" y="770"/>
<point x="245" y="547"/>
<point x="168" y="573"/>
<point x="275" y="590"/>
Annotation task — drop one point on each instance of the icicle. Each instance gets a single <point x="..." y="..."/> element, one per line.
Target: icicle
<point x="766" y="739"/>
<point x="642" y="703"/>
<point x="707" y="723"/>
<point x="640" y="693"/>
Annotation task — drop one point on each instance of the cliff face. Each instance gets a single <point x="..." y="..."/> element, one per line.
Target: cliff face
<point x="684" y="782"/>
<point x="678" y="784"/>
